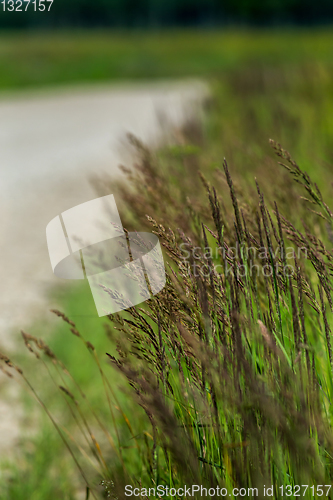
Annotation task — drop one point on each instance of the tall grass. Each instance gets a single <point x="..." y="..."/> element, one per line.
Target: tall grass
<point x="35" y="59"/>
<point x="232" y="366"/>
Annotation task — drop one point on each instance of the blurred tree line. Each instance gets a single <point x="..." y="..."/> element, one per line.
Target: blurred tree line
<point x="160" y="13"/>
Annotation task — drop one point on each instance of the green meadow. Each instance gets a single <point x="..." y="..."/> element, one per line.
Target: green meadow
<point x="43" y="58"/>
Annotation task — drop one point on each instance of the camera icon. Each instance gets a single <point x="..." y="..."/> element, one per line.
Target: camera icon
<point x="89" y="242"/>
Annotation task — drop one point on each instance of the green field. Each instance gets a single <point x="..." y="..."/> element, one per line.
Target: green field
<point x="265" y="85"/>
<point x="42" y="59"/>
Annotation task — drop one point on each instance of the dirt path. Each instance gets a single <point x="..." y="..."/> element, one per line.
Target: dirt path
<point x="49" y="144"/>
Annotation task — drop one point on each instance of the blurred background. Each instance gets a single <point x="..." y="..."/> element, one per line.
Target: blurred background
<point x="75" y="77"/>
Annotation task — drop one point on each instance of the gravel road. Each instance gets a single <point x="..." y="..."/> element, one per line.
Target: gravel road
<point x="50" y="142"/>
